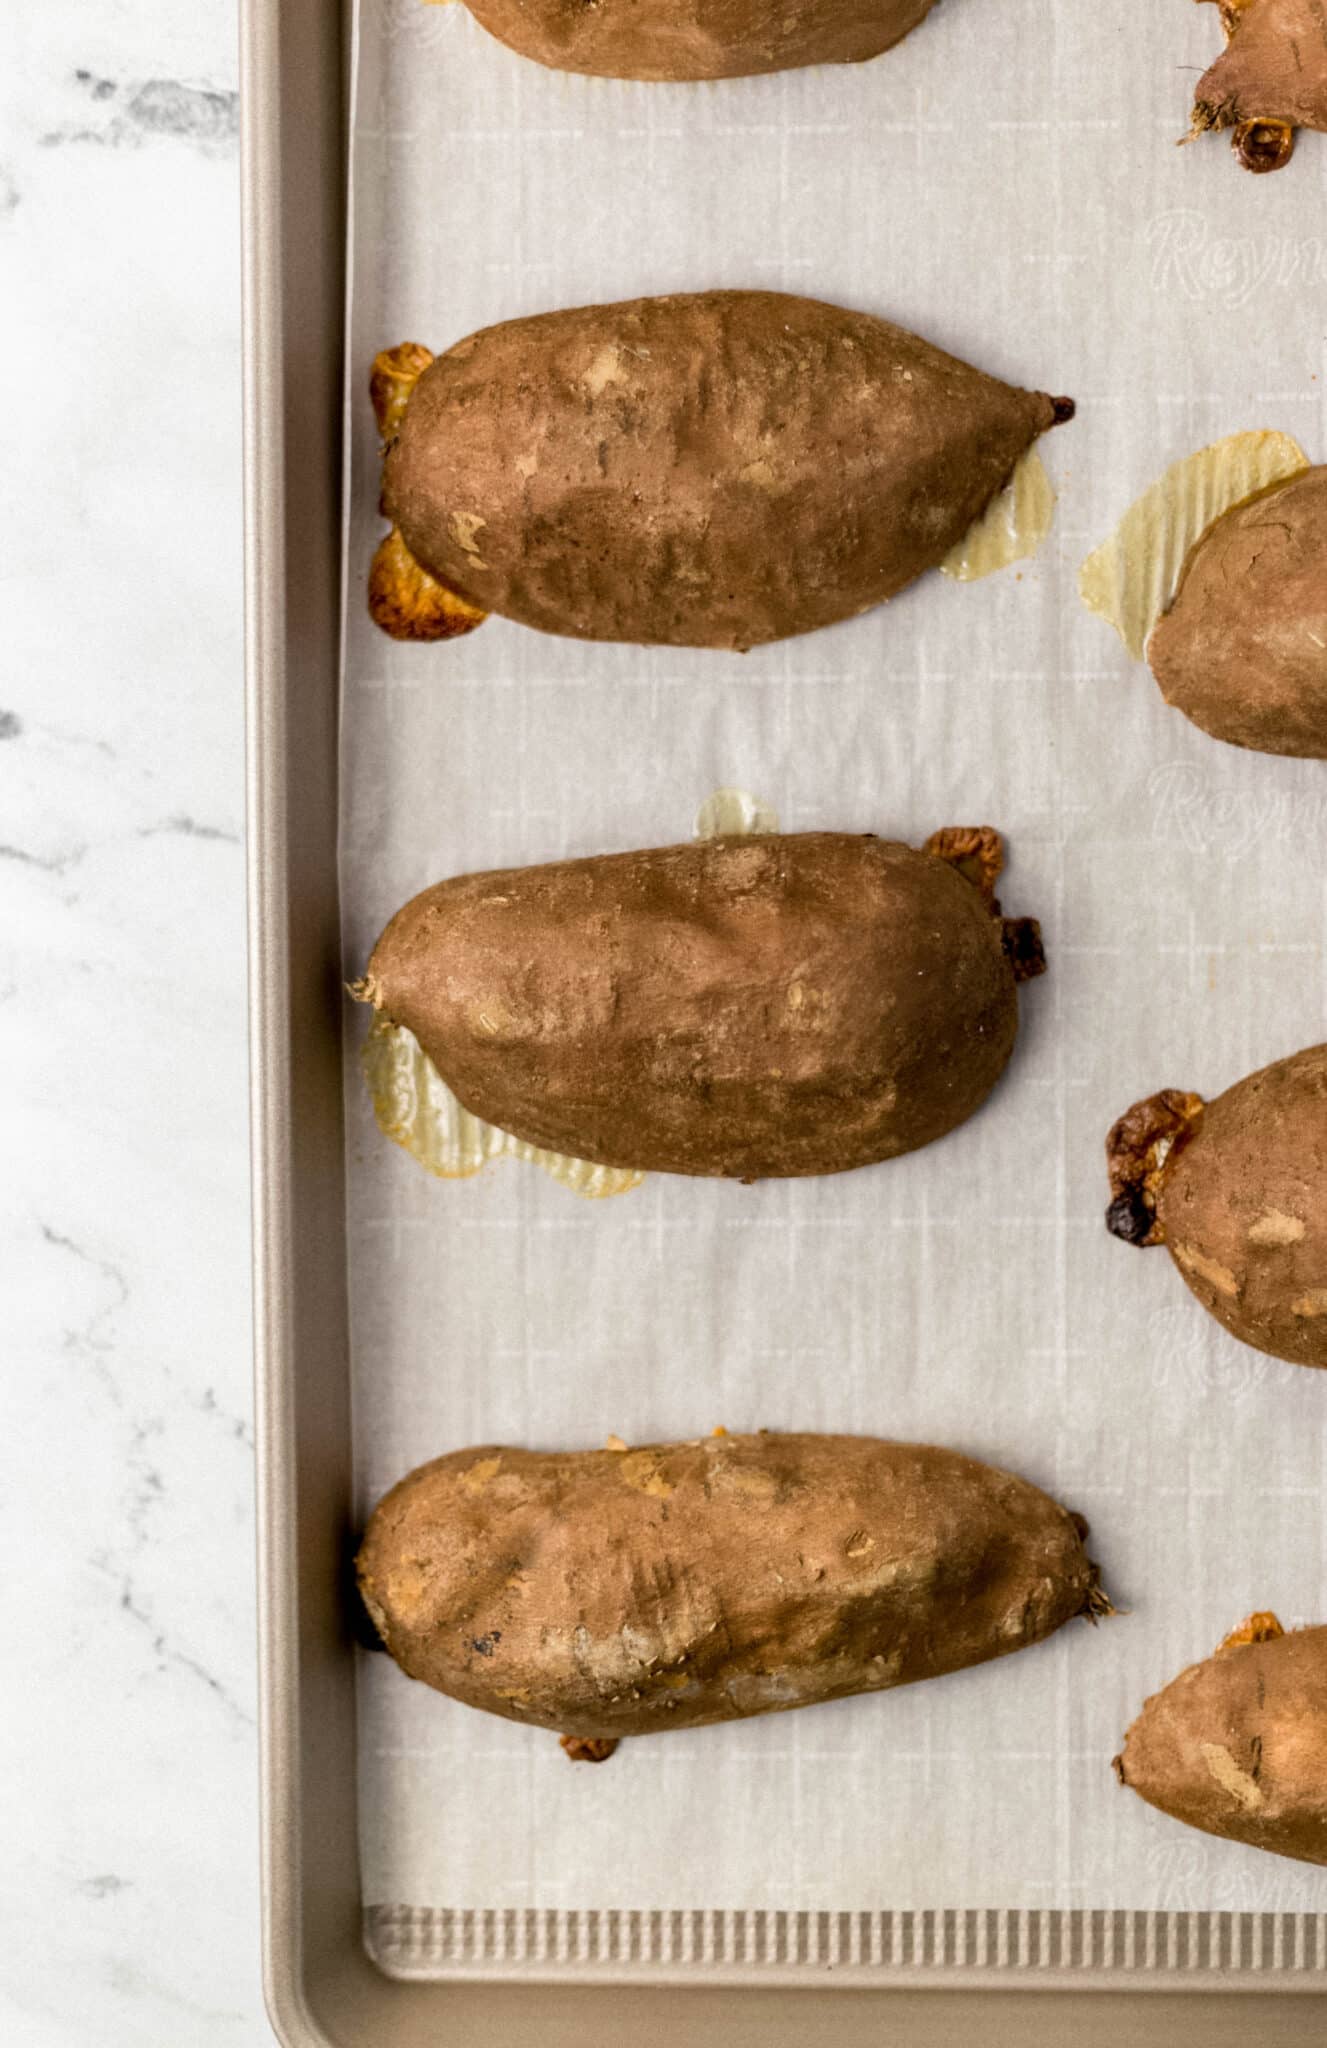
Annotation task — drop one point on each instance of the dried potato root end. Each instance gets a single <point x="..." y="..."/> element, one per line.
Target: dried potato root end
<point x="977" y="851"/>
<point x="1138" y="1147"/>
<point x="1062" y="411"/>
<point x="410" y="604"/>
<point x="587" y="1749"/>
<point x="368" y="989"/>
<point x="1262" y="1627"/>
<point x="1262" y="146"/>
<point x="393" y="377"/>
<point x="1098" y="1605"/>
<point x="1023" y="947"/>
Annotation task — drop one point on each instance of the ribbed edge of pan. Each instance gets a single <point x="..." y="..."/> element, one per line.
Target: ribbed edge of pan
<point x="428" y="1941"/>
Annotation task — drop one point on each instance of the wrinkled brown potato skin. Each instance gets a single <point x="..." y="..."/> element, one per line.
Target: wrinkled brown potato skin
<point x="711" y="470"/>
<point x="662" y="39"/>
<point x="1243" y="649"/>
<point x="1274" y="68"/>
<point x="1243" y="1204"/>
<point x="1237" y="1746"/>
<point x="610" y="1593"/>
<point x="752" y="1006"/>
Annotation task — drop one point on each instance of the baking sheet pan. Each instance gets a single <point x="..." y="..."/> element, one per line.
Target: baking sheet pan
<point x="320" y="1986"/>
<point x="967" y="1294"/>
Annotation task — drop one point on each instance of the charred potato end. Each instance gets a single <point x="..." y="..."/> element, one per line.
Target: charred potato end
<point x="409" y="604"/>
<point x="1236" y="1189"/>
<point x="1270" y="79"/>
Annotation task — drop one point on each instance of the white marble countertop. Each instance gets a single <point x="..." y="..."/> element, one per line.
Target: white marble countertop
<point x="131" y="1868"/>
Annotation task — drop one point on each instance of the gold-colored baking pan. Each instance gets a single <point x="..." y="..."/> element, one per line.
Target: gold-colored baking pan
<point x="1068" y="1978"/>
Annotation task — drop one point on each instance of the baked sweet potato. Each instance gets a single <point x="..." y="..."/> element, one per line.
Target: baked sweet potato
<point x="618" y="1592"/>
<point x="1270" y="79"/>
<point x="745" y="1006"/>
<point x="1242" y="650"/>
<point x="1237" y="1745"/>
<point x="716" y="469"/>
<point x="1236" y="1190"/>
<point x="679" y="39"/>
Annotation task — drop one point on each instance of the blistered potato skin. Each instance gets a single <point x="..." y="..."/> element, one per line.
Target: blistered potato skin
<point x="1243" y="1205"/>
<point x="612" y="1593"/>
<point x="716" y="469"/>
<point x="747" y="1006"/>
<point x="680" y="39"/>
<point x="1237" y="1746"/>
<point x="1242" y="650"/>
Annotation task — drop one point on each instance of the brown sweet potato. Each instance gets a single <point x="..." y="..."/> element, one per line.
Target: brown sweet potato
<point x="1242" y="650"/>
<point x="619" y="1592"/>
<point x="1270" y="79"/>
<point x="1236" y="1189"/>
<point x="716" y="469"/>
<point x="1237" y="1745"/>
<point x="751" y="1006"/>
<point x="678" y="39"/>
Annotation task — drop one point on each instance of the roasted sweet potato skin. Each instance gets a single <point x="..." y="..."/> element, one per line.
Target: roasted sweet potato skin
<point x="1237" y="1745"/>
<point x="784" y="1004"/>
<point x="1242" y="1204"/>
<point x="716" y="469"/>
<point x="1273" y="69"/>
<point x="1242" y="651"/>
<point x="620" y="1592"/>
<point x="680" y="39"/>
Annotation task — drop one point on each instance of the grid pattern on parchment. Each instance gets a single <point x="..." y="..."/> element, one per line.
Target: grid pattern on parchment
<point x="967" y="1294"/>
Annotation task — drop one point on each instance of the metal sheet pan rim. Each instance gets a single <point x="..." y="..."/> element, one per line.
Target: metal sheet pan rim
<point x="970" y="1947"/>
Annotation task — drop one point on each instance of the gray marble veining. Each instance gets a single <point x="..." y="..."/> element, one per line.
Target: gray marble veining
<point x="130" y="1878"/>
